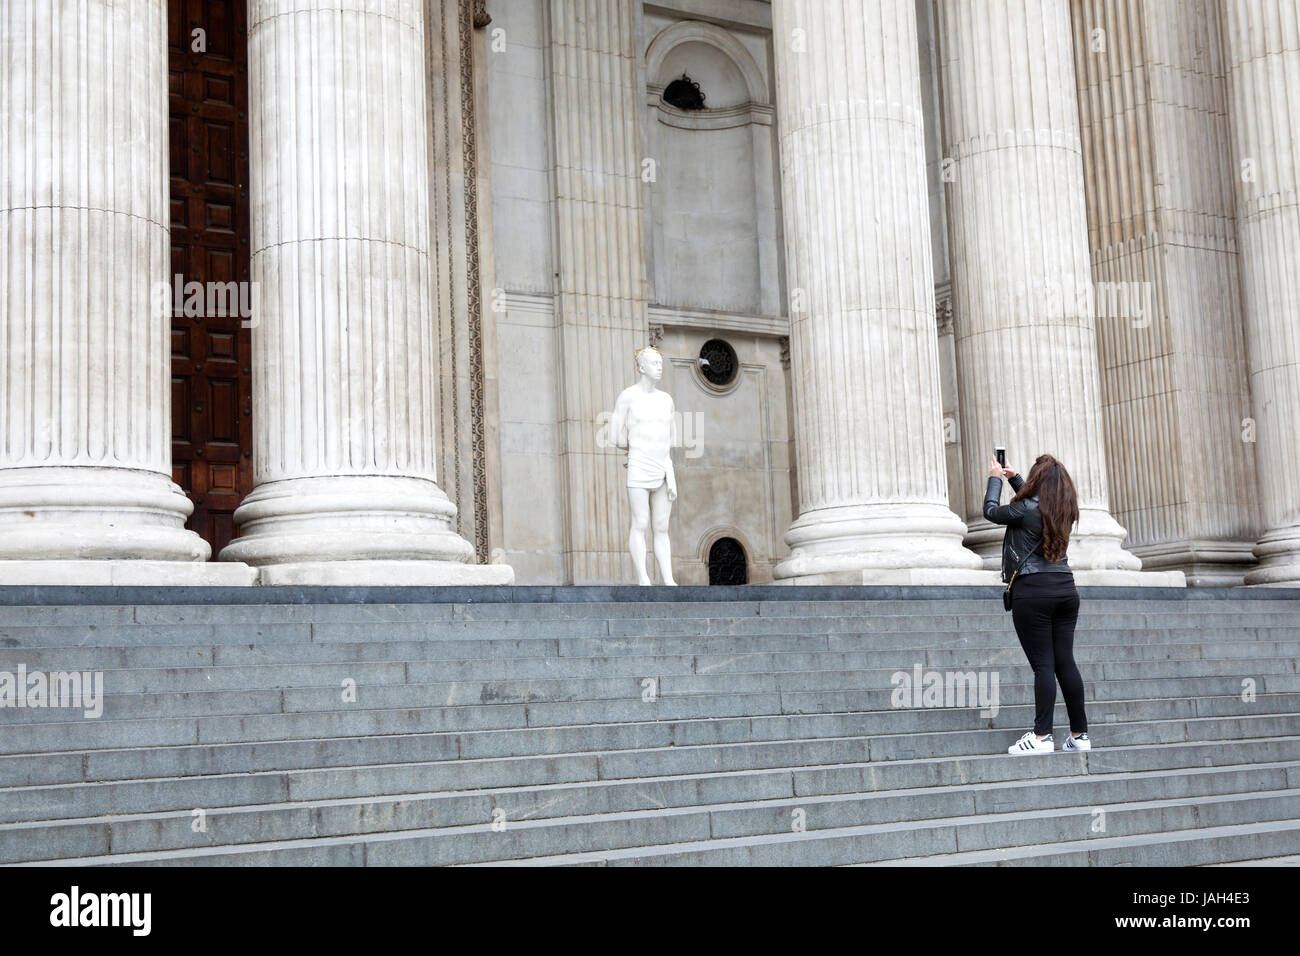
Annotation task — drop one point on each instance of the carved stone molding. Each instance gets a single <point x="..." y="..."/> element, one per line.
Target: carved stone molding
<point x="656" y="335"/>
<point x="943" y="316"/>
<point x="472" y="11"/>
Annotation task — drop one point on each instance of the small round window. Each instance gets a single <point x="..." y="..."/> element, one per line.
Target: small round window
<point x="718" y="363"/>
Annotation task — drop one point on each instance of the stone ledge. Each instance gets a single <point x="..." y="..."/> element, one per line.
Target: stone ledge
<point x="388" y="574"/>
<point x="84" y="593"/>
<point x="130" y="574"/>
<point x="1130" y="579"/>
<point x="899" y="577"/>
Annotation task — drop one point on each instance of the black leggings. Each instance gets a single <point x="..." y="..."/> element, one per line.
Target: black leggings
<point x="1045" y="608"/>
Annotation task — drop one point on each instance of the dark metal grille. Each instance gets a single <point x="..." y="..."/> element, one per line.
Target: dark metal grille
<point x="685" y="94"/>
<point x="727" y="564"/>
<point x="718" y="362"/>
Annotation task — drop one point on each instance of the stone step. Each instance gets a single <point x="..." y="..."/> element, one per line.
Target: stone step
<point x="611" y="743"/>
<point x="821" y="766"/>
<point x="799" y="702"/>
<point x="758" y="707"/>
<point x="1111" y="627"/>
<point x="1241" y="844"/>
<point x="748" y="804"/>
<point x="1188" y="847"/>
<point x="802" y="692"/>
<point x="730" y="832"/>
<point x="468" y="663"/>
<point x="612" y="677"/>
<point x="936" y="772"/>
<point x="988" y="608"/>
<point x="688" y="836"/>
<point x="1269" y="861"/>
<point x="616" y="678"/>
<point x="525" y="721"/>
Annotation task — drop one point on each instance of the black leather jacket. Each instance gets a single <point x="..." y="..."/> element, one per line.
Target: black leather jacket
<point x="1024" y="535"/>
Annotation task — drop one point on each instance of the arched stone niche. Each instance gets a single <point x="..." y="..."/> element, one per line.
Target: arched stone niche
<point x="714" y="239"/>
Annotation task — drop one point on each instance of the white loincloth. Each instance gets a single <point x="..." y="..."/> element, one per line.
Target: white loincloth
<point x="646" y="472"/>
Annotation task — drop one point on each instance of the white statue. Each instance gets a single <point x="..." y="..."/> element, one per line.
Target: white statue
<point x="643" y="423"/>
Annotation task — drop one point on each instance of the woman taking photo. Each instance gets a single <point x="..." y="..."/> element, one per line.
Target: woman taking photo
<point x="1044" y="602"/>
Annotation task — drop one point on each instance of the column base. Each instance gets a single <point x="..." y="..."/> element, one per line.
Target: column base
<point x="1114" y="578"/>
<point x="355" y="530"/>
<point x="127" y="573"/>
<point x="385" y="574"/>
<point x="941" y="577"/>
<point x="913" y="577"/>
<point x="1279" y="558"/>
<point x="900" y="541"/>
<point x="92" y="513"/>
<point x="1206" y="563"/>
<point x="1095" y="543"/>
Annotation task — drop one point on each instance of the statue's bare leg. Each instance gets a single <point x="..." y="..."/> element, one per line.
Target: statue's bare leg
<point x="639" y="499"/>
<point x="661" y="509"/>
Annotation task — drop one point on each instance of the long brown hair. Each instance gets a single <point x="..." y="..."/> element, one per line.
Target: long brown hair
<point x="1058" y="504"/>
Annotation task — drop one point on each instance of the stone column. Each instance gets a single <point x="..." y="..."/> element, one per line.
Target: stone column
<point x="930" y="105"/>
<point x="1263" y="45"/>
<point x="1022" y="287"/>
<point x="600" y="290"/>
<point x="867" y="411"/>
<point x="345" y="354"/>
<point x="86" y="494"/>
<point x="1153" y="90"/>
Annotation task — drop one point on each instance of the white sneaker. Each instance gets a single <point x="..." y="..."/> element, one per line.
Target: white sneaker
<point x="1078" y="743"/>
<point x="1030" y="744"/>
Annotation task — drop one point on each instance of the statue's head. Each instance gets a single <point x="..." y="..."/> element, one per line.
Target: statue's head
<point x="649" y="361"/>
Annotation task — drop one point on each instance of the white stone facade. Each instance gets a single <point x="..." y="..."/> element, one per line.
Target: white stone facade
<point x="905" y="231"/>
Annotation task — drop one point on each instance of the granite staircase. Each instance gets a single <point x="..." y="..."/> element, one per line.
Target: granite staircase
<point x="549" y="726"/>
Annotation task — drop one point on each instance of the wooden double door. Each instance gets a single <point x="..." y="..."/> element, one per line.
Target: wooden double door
<point x="212" y="423"/>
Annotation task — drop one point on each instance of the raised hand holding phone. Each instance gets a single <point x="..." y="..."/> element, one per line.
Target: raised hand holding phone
<point x="998" y="464"/>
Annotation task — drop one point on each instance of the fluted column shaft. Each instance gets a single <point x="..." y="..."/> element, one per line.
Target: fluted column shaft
<point x="85" y="393"/>
<point x="600" y="298"/>
<point x="345" y="355"/>
<point x="1153" y="92"/>
<point x="1022" y="292"/>
<point x="867" y="407"/>
<point x="1263" y="42"/>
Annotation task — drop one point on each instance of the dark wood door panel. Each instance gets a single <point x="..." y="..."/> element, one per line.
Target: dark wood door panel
<point x="211" y="351"/>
